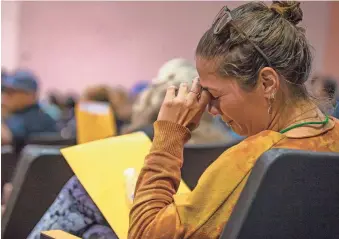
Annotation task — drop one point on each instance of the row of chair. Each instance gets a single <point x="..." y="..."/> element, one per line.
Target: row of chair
<point x="8" y="163"/>
<point x="289" y="194"/>
<point x="11" y="154"/>
<point x="42" y="171"/>
<point x="37" y="172"/>
<point x="39" y="176"/>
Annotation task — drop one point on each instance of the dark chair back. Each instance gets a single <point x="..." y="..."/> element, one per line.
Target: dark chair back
<point x="40" y="175"/>
<point x="50" y="139"/>
<point x="289" y="194"/>
<point x="197" y="158"/>
<point x="146" y="129"/>
<point x="8" y="163"/>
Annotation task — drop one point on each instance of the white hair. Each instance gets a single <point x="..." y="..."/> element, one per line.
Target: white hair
<point x="173" y="72"/>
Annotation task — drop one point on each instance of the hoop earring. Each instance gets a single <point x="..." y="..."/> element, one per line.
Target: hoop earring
<point x="271" y="100"/>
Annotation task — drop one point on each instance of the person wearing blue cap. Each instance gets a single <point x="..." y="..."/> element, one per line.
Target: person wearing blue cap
<point x="19" y="96"/>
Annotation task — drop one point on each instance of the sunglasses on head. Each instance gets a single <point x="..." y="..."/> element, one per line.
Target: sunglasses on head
<point x="224" y="19"/>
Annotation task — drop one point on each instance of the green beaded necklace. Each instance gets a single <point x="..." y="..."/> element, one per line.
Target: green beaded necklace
<point x="305" y="123"/>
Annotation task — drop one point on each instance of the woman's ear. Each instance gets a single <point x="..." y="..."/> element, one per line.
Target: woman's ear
<point x="268" y="81"/>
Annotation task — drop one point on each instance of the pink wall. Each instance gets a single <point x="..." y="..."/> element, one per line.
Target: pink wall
<point x="332" y="47"/>
<point x="73" y="44"/>
<point x="10" y="27"/>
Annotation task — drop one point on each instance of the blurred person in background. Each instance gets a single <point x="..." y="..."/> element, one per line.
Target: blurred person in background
<point x="122" y="106"/>
<point x="66" y="124"/>
<point x="52" y="106"/>
<point x="4" y="111"/>
<point x="137" y="88"/>
<point x="20" y="98"/>
<point x="336" y="108"/>
<point x="69" y="107"/>
<point x="325" y="91"/>
<point x="73" y="200"/>
<point x="117" y="99"/>
<point x="25" y="117"/>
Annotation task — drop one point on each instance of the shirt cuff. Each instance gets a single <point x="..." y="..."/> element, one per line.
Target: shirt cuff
<point x="170" y="137"/>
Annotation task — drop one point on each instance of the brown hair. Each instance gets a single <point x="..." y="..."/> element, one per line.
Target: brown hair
<point x="97" y="93"/>
<point x="274" y="31"/>
<point x="116" y="97"/>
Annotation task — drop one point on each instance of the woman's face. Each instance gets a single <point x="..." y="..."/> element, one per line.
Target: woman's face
<point x="246" y="112"/>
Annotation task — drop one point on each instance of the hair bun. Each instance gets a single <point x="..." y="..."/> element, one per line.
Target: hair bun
<point x="290" y="10"/>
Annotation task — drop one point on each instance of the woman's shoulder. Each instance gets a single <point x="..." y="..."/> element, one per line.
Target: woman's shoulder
<point x="255" y="144"/>
<point x="325" y="141"/>
<point x="223" y="176"/>
<point x="242" y="156"/>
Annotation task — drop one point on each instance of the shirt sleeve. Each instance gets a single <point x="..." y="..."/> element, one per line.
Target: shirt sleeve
<point x="17" y="127"/>
<point x="154" y="215"/>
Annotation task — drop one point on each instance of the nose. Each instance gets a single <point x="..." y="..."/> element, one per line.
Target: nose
<point x="213" y="110"/>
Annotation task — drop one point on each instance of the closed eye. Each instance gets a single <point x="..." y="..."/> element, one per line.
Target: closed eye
<point x="213" y="97"/>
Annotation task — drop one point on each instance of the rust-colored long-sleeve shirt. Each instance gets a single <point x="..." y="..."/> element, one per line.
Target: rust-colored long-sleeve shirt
<point x="158" y="213"/>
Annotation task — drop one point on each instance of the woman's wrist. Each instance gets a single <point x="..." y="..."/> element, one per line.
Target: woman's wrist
<point x="170" y="137"/>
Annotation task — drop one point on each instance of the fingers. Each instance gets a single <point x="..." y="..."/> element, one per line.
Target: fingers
<point x="183" y="90"/>
<point x="170" y="94"/>
<point x="195" y="91"/>
<point x="196" y="85"/>
<point x="205" y="98"/>
<point x="194" y="96"/>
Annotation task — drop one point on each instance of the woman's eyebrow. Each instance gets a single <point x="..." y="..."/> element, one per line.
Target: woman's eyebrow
<point x="209" y="89"/>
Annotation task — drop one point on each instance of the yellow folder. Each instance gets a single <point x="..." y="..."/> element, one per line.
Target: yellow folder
<point x="95" y="120"/>
<point x="57" y="234"/>
<point x="101" y="167"/>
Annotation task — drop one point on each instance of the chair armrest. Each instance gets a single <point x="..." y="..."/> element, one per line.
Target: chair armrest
<point x="57" y="234"/>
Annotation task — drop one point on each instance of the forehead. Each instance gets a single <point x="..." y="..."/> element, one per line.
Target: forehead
<point x="208" y="74"/>
<point x="12" y="91"/>
<point x="207" y="69"/>
<point x="206" y="66"/>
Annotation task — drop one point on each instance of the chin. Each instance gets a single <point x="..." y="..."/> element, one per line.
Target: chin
<point x="240" y="133"/>
<point x="238" y="130"/>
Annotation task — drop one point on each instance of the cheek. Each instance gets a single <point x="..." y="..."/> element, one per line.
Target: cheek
<point x="244" y="110"/>
<point x="16" y="100"/>
<point x="232" y="107"/>
<point x="6" y="99"/>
